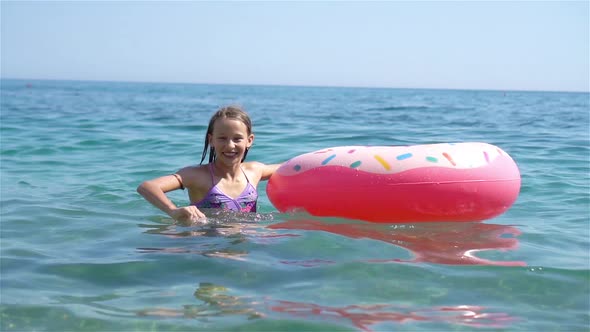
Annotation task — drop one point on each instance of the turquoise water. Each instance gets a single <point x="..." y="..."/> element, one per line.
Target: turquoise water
<point x="81" y="250"/>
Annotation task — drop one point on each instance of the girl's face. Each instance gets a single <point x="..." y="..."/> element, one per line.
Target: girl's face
<point x="230" y="139"/>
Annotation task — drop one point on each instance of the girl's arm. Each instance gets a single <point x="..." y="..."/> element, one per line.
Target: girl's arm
<point x="268" y="171"/>
<point x="154" y="191"/>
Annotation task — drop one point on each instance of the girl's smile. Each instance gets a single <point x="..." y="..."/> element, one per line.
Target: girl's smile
<point x="230" y="138"/>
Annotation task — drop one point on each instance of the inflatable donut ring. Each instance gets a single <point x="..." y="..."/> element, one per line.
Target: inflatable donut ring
<point x="420" y="183"/>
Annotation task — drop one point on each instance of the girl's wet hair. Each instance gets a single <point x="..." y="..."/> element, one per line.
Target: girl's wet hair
<point x="229" y="112"/>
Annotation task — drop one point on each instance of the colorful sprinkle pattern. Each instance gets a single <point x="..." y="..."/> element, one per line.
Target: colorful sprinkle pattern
<point x="327" y="160"/>
<point x="394" y="159"/>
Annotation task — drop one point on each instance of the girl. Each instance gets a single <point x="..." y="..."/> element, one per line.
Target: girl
<point x="226" y="182"/>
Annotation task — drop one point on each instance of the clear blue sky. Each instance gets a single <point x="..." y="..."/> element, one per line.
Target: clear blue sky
<point x="470" y="45"/>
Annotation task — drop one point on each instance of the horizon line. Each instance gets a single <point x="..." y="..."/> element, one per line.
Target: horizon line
<point x="293" y="85"/>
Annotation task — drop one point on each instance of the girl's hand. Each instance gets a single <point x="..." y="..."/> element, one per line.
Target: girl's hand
<point x="188" y="215"/>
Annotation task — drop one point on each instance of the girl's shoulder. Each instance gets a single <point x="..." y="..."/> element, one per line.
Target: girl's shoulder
<point x="195" y="175"/>
<point x="262" y="171"/>
<point x="249" y="164"/>
<point x="194" y="170"/>
<point x="253" y="166"/>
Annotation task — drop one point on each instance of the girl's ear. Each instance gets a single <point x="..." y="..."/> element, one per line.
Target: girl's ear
<point x="250" y="140"/>
<point x="209" y="138"/>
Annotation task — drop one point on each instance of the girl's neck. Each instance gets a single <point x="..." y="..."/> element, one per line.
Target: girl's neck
<point x="224" y="171"/>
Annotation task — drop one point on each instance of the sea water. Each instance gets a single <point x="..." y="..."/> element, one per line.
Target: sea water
<point x="82" y="251"/>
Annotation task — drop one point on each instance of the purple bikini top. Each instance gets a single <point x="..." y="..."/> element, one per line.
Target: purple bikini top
<point x="215" y="198"/>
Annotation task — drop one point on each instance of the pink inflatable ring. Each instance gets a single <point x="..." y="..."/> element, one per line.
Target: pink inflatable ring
<point x="420" y="183"/>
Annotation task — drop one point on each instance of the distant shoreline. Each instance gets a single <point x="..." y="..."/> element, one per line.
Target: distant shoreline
<point x="28" y="80"/>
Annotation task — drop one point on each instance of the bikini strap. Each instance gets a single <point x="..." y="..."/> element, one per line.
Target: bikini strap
<point x="213" y="177"/>
<point x="248" y="180"/>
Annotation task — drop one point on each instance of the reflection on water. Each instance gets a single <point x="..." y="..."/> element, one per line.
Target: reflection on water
<point x="364" y="316"/>
<point x="234" y="238"/>
<point x="216" y="302"/>
<point x="232" y="234"/>
<point x="220" y="235"/>
<point x="441" y="243"/>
